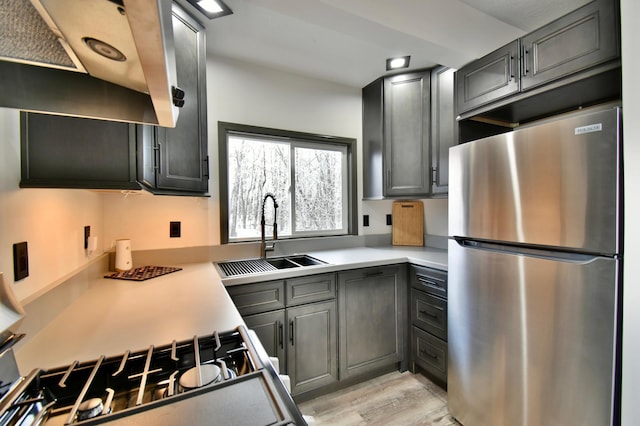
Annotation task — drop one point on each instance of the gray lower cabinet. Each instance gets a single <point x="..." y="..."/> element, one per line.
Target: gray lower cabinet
<point x="372" y="315"/>
<point x="428" y="326"/>
<point x="175" y="160"/>
<point x="296" y="321"/>
<point x="312" y="346"/>
<point x="576" y="42"/>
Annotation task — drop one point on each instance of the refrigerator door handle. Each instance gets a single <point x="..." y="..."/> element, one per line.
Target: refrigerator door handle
<point x="543" y="253"/>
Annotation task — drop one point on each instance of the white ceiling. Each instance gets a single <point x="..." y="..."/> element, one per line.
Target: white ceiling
<point x="348" y="41"/>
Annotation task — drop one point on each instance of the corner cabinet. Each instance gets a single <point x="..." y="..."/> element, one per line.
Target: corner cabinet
<point x="408" y="126"/>
<point x="175" y="160"/>
<point x="572" y="45"/>
<point x="396" y="136"/>
<point x="372" y="316"/>
<point x="296" y="321"/>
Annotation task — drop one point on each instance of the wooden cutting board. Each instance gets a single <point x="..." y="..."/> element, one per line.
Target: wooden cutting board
<point x="408" y="223"/>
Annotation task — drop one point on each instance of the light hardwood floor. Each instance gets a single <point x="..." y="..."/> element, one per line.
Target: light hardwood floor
<point x="395" y="398"/>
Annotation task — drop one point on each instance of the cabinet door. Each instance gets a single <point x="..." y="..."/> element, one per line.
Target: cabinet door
<point x="372" y="140"/>
<point x="269" y="327"/>
<point x="175" y="159"/>
<point x="258" y="297"/>
<point x="579" y="40"/>
<point x="309" y="289"/>
<point x="312" y="346"/>
<point x="429" y="313"/>
<point x="406" y="134"/>
<point x="444" y="127"/>
<point x="489" y="78"/>
<point x="69" y="152"/>
<point x="430" y="353"/>
<point x="372" y="314"/>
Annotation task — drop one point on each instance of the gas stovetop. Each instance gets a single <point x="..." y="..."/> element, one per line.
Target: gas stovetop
<point x="139" y="384"/>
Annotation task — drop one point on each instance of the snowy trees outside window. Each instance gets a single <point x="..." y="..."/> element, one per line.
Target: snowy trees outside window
<point x="309" y="179"/>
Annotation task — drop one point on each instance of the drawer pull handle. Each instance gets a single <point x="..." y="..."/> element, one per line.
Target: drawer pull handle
<point x="429" y="282"/>
<point x="429" y="314"/>
<point x="281" y="334"/>
<point x="373" y="274"/>
<point x="429" y="354"/>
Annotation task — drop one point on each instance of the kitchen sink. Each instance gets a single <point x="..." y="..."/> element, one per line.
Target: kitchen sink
<point x="253" y="266"/>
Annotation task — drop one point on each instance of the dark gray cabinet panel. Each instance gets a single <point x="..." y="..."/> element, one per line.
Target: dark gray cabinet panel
<point x="68" y="152"/>
<point x="269" y="327"/>
<point x="175" y="160"/>
<point x="577" y="41"/>
<point x="296" y="321"/>
<point x="490" y="78"/>
<point x="311" y="289"/>
<point x="428" y="326"/>
<point x="259" y="297"/>
<point x="312" y="346"/>
<point x="406" y="133"/>
<point x="577" y="46"/>
<point x="396" y="134"/>
<point x="429" y="313"/>
<point x="430" y="353"/>
<point x="371" y="307"/>
<point x="444" y="128"/>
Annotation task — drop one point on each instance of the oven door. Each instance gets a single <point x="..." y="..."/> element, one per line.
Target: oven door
<point x="250" y="400"/>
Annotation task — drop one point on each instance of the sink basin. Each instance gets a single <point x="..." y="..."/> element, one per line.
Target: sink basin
<point x="253" y="266"/>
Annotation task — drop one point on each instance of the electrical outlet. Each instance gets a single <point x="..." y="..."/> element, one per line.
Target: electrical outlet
<point x="87" y="234"/>
<point x="20" y="261"/>
<point x="365" y="220"/>
<point x="174" y="229"/>
<point x="389" y="220"/>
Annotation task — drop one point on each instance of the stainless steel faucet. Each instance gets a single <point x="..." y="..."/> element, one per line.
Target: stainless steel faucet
<point x="264" y="248"/>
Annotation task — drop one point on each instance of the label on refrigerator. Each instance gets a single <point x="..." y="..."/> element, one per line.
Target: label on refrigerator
<point x="588" y="129"/>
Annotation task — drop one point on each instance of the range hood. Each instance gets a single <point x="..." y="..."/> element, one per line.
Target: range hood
<point x="104" y="59"/>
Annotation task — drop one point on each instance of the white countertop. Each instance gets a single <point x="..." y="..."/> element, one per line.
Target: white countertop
<point x="116" y="315"/>
<point x="113" y="316"/>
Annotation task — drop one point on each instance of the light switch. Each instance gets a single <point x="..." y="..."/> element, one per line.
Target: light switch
<point x="20" y="261"/>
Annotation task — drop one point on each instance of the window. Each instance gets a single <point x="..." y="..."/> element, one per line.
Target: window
<point x="311" y="177"/>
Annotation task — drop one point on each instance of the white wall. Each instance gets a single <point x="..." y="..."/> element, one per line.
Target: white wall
<point x="244" y="93"/>
<point x="630" y="11"/>
<point x="51" y="221"/>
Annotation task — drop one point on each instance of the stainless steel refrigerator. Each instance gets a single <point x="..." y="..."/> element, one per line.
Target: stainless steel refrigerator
<point x="534" y="273"/>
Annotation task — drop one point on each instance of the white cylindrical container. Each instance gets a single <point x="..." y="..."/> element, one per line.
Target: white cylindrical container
<point x="123" y="255"/>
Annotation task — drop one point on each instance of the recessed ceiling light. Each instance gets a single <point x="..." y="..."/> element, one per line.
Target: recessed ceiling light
<point x="211" y="8"/>
<point x="396" y="63"/>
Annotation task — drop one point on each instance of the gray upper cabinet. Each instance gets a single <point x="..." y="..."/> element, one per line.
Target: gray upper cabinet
<point x="372" y="318"/>
<point x="175" y="160"/>
<point x="396" y="136"/>
<point x="444" y="129"/>
<point x="490" y="78"/>
<point x="70" y="152"/>
<point x="577" y="41"/>
<point x="406" y="133"/>
<point x="583" y="40"/>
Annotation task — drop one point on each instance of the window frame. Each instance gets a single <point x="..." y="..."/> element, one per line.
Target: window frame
<point x="224" y="128"/>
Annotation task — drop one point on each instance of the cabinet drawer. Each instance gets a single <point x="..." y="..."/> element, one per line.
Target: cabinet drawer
<point x="311" y="289"/>
<point x="259" y="297"/>
<point x="429" y="313"/>
<point x="429" y="280"/>
<point x="430" y="353"/>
